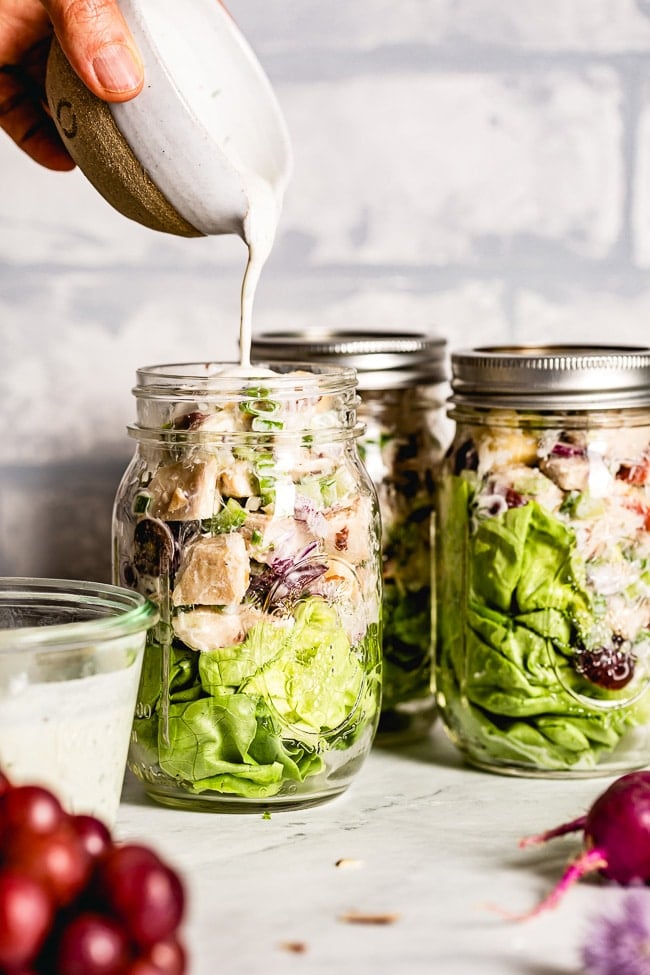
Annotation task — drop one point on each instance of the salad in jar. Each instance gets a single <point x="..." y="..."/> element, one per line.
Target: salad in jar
<point x="247" y="516"/>
<point x="401" y="450"/>
<point x="544" y="591"/>
<point x="402" y="384"/>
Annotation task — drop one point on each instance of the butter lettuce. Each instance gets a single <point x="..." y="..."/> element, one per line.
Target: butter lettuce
<point x="230" y="743"/>
<point x="512" y="607"/>
<point x="309" y="673"/>
<point x="246" y="718"/>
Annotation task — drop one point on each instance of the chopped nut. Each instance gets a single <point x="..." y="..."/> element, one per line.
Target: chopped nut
<point x="295" y="947"/>
<point x="349" y="863"/>
<point x="358" y="917"/>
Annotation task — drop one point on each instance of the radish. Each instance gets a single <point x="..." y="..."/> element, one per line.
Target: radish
<point x="616" y="833"/>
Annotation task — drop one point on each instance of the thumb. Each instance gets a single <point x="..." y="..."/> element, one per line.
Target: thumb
<point x="99" y="46"/>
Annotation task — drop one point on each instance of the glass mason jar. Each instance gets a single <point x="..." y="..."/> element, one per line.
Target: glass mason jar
<point x="402" y="380"/>
<point x="544" y="560"/>
<point x="247" y="516"/>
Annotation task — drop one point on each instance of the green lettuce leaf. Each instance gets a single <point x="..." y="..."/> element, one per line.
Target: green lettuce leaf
<point x="309" y="673"/>
<point x="228" y="743"/>
<point x="245" y="719"/>
<point x="512" y="606"/>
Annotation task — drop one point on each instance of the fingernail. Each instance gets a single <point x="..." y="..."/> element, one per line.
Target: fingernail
<point x="116" y="69"/>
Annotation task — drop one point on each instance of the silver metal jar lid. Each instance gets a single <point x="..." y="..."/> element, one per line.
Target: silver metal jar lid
<point x="553" y="376"/>
<point x="383" y="360"/>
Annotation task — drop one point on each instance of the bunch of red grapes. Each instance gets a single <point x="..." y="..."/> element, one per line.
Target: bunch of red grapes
<point x="73" y="902"/>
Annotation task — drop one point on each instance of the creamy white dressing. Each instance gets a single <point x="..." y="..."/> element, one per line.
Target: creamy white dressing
<point x="71" y="737"/>
<point x="258" y="232"/>
<point x="260" y="228"/>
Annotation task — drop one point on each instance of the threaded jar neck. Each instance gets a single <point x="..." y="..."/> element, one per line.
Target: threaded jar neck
<point x="216" y="401"/>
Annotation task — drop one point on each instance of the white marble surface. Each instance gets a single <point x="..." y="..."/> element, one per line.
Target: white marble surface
<point x="435" y="840"/>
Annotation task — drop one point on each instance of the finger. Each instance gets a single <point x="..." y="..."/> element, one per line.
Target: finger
<point x="22" y="113"/>
<point x="99" y="46"/>
<point x="32" y="130"/>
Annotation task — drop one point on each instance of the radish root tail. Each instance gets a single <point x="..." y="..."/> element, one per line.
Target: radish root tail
<point x="587" y="862"/>
<point x="550" y="834"/>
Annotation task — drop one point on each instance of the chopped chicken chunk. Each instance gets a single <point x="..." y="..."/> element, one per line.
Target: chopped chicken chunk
<point x="215" y="572"/>
<point x="237" y="481"/>
<point x="347" y="530"/>
<point x="184" y="492"/>
<point x="206" y="629"/>
<point x="569" y="473"/>
<point x="269" y="538"/>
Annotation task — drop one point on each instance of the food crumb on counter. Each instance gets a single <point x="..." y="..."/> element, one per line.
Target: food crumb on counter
<point x="360" y="917"/>
<point x="349" y="863"/>
<point x="294" y="947"/>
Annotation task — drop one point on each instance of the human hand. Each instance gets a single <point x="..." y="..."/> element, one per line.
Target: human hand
<point x="96" y="41"/>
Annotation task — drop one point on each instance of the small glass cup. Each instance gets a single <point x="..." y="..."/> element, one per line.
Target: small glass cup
<point x="70" y="661"/>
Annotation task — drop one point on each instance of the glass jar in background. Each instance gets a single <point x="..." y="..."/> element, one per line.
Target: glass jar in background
<point x="543" y="646"/>
<point x="248" y="518"/>
<point x="402" y="384"/>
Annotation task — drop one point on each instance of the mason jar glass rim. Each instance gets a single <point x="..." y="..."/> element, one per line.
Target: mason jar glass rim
<point x="100" y="612"/>
<point x="182" y="380"/>
<point x="168" y="393"/>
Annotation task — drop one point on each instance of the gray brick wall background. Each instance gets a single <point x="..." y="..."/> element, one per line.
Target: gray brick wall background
<point x="480" y="168"/>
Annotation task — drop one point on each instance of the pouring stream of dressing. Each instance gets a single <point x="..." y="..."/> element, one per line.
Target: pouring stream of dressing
<point x="259" y="231"/>
<point x="209" y="131"/>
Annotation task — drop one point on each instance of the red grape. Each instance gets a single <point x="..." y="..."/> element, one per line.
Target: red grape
<point x="58" y="860"/>
<point x="143" y="892"/>
<point x="72" y="902"/>
<point x="164" y="958"/>
<point x="28" y="808"/>
<point x="169" y="956"/>
<point x="26" y="913"/>
<point x="94" y="835"/>
<point x="92" y="944"/>
<point x="142" y="966"/>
